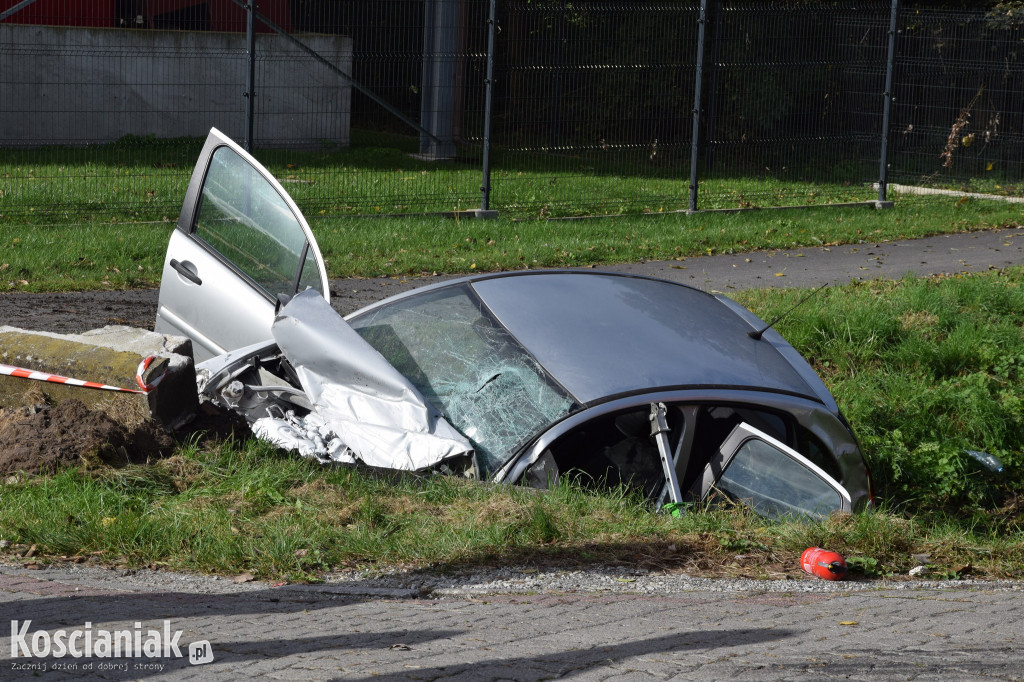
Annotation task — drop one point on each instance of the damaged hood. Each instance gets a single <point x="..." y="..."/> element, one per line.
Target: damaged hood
<point x="375" y="410"/>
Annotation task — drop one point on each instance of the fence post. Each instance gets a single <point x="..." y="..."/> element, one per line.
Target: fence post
<point x="250" y="73"/>
<point x="883" y="163"/>
<point x="699" y="76"/>
<point x="485" y="186"/>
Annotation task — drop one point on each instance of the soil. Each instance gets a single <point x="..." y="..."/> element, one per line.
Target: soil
<point x="43" y="439"/>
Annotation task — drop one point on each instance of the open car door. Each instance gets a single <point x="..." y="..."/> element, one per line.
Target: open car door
<point x="770" y="477"/>
<point x="241" y="242"/>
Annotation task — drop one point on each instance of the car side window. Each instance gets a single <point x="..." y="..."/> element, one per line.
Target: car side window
<point x="244" y="219"/>
<point x="775" y="484"/>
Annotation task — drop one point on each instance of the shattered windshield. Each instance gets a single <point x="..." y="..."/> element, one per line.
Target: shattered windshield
<point x="469" y="367"/>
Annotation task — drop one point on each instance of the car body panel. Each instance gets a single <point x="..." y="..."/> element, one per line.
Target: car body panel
<point x="642" y="333"/>
<point x="240" y="241"/>
<point x="376" y="411"/>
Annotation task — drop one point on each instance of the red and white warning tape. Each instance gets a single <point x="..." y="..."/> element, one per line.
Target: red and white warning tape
<point x="143" y="366"/>
<point x="22" y="373"/>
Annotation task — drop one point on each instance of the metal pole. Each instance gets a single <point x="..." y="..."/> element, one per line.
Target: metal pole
<point x="485" y="187"/>
<point x="699" y="76"/>
<point x="250" y="76"/>
<point x="715" y="40"/>
<point x="883" y="163"/>
<point x="14" y="10"/>
<point x="348" y="77"/>
<point x="556" y="80"/>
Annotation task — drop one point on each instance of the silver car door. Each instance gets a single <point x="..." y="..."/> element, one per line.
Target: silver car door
<point x="770" y="477"/>
<point x="240" y="243"/>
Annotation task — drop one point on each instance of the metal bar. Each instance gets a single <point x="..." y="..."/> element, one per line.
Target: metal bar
<point x="715" y="22"/>
<point x="883" y="162"/>
<point x="353" y="82"/>
<point x="556" y="80"/>
<point x="250" y="74"/>
<point x="659" y="429"/>
<point x="699" y="76"/>
<point x="485" y="187"/>
<point x="14" y="10"/>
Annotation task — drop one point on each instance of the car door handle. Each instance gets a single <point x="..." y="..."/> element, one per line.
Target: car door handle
<point x="185" y="271"/>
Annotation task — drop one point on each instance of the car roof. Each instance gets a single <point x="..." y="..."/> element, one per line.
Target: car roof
<point x="601" y="335"/>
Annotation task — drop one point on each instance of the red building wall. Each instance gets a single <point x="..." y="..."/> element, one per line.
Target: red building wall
<point x="62" y="12"/>
<point x="224" y="15"/>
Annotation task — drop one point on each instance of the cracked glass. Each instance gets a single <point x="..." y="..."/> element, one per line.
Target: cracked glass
<point x="469" y="367"/>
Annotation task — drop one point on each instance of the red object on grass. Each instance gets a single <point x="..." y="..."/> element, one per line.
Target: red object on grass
<point x="823" y="564"/>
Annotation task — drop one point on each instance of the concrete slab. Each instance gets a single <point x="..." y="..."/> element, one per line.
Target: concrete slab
<point x="111" y="356"/>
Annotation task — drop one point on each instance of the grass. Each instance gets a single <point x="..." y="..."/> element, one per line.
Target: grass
<point x="62" y="256"/>
<point x="922" y="368"/>
<point x="247" y="508"/>
<point x="144" y="179"/>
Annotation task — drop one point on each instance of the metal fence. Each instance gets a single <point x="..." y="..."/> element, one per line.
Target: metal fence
<point x="527" y="107"/>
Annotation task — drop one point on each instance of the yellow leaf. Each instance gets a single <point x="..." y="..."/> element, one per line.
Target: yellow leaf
<point x="848" y="622"/>
<point x="780" y="274"/>
<point x="988" y="166"/>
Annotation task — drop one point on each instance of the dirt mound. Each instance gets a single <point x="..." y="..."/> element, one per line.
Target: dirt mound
<point x="43" y="439"/>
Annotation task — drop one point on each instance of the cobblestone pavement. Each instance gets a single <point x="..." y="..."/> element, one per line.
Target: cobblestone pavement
<point x="354" y="631"/>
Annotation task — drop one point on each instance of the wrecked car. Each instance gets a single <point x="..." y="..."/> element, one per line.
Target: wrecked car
<point x="524" y="377"/>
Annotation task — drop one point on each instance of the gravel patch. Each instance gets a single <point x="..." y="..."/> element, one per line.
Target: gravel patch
<point x="479" y="582"/>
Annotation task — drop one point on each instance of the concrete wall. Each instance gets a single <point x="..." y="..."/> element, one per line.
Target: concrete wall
<point x="76" y="86"/>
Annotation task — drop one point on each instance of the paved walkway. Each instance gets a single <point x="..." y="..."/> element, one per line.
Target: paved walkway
<point x="351" y="633"/>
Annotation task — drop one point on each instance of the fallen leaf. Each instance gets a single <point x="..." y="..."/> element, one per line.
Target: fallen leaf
<point x="848" y="622"/>
<point x="780" y="274"/>
<point x="244" y="578"/>
<point x="400" y="647"/>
